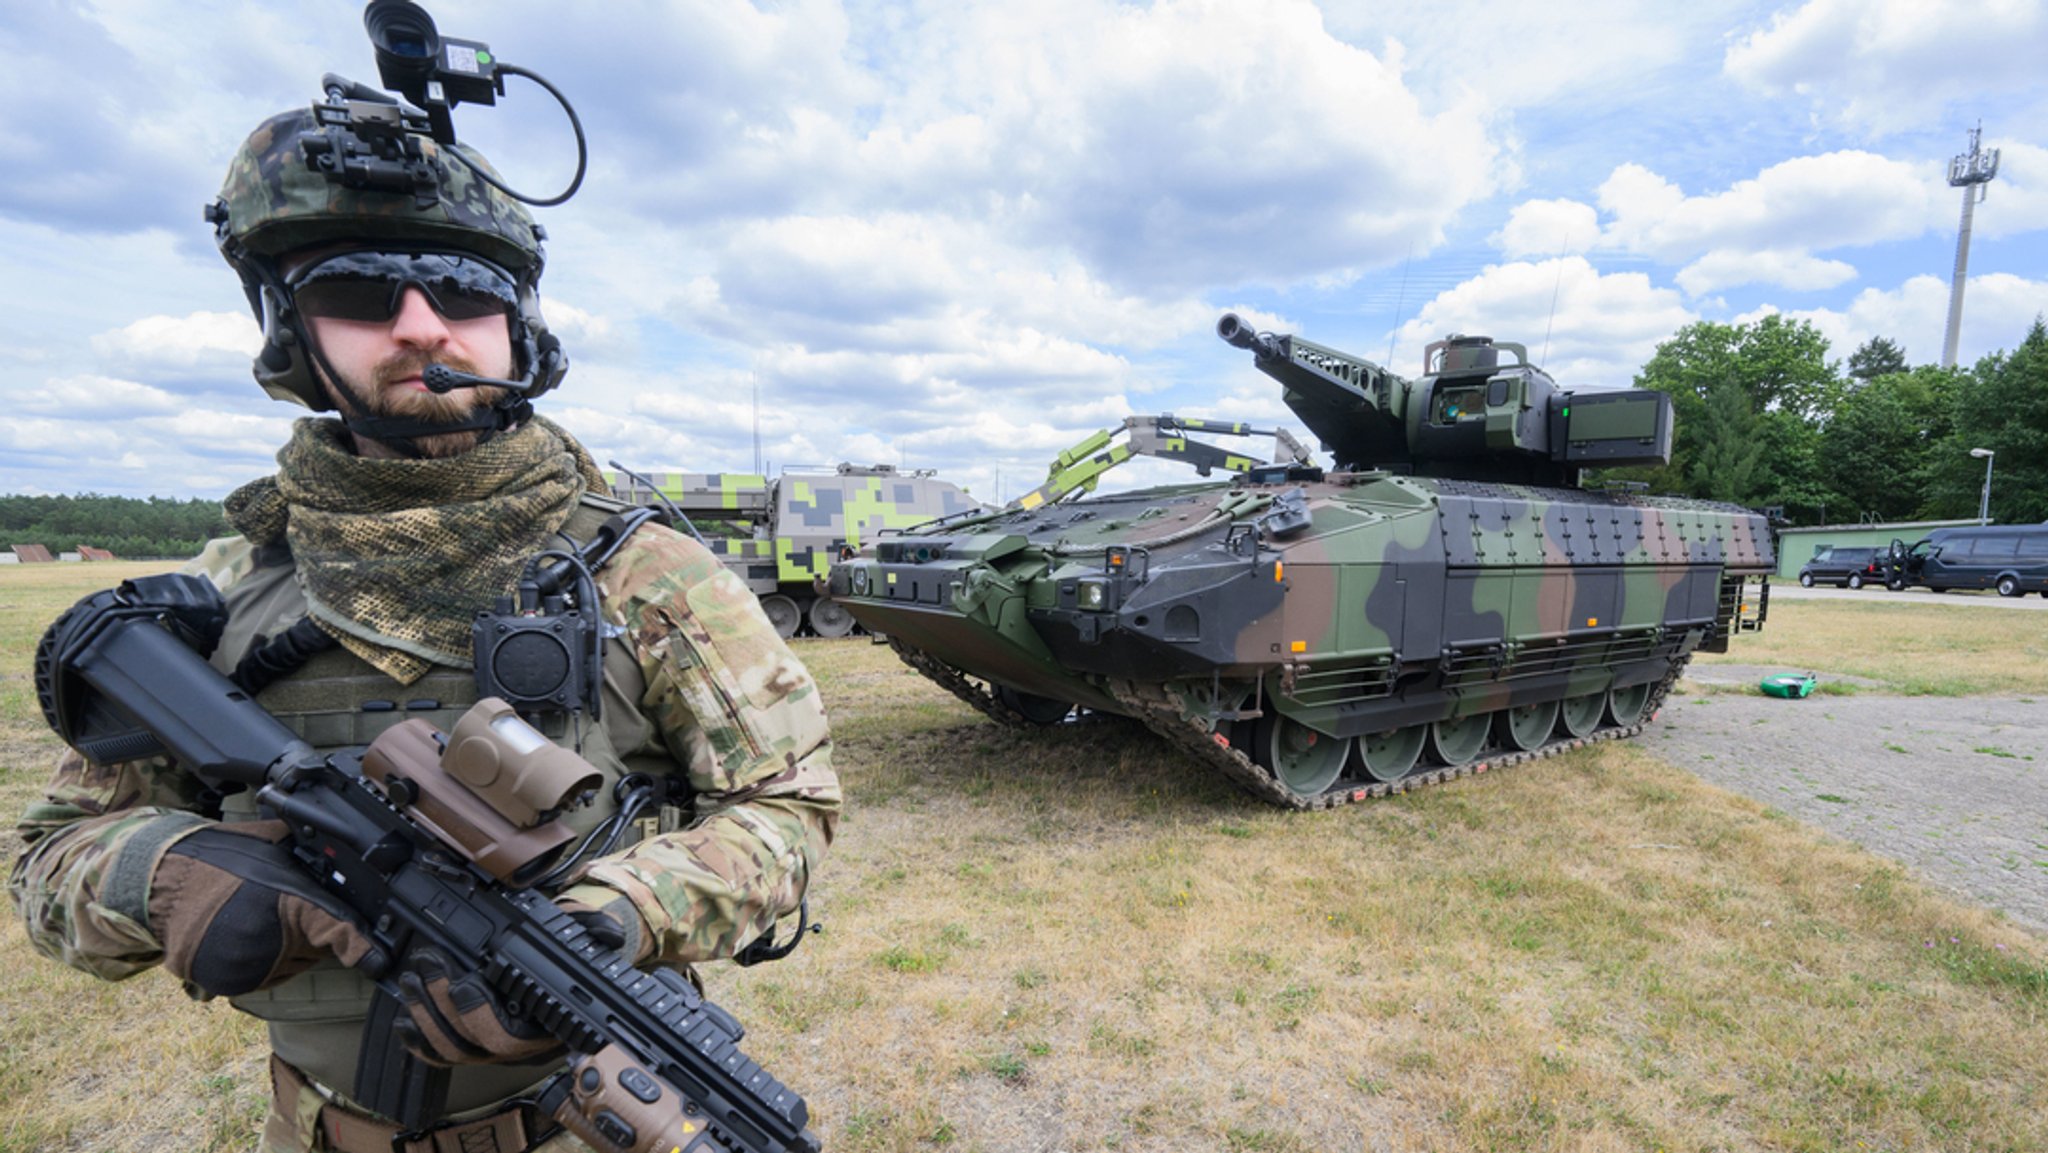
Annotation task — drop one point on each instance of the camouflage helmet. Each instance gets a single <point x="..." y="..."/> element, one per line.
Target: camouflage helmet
<point x="274" y="205"/>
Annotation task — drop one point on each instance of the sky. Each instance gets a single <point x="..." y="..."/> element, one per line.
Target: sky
<point x="961" y="236"/>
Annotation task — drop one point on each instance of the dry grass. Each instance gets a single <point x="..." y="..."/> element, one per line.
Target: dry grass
<point x="1069" y="940"/>
<point x="1915" y="649"/>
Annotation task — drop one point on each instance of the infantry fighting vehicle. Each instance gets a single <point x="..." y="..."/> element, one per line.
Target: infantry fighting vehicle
<point x="781" y="536"/>
<point x="1443" y="601"/>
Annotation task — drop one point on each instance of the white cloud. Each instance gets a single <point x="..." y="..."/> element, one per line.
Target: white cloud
<point x="1601" y="328"/>
<point x="1807" y="204"/>
<point x="1171" y="145"/>
<point x="1201" y="141"/>
<point x="585" y="331"/>
<point x="1887" y="65"/>
<point x="223" y="433"/>
<point x="2016" y="200"/>
<point x="1548" y="228"/>
<point x="1997" y="311"/>
<point x="1591" y="50"/>
<point x="901" y="280"/>
<point x="85" y="397"/>
<point x="1728" y="267"/>
<point x="181" y="341"/>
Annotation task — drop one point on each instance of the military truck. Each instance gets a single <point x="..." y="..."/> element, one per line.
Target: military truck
<point x="1445" y="599"/>
<point x="781" y="536"/>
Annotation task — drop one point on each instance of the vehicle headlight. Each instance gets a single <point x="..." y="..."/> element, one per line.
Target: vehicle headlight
<point x="860" y="580"/>
<point x="1092" y="595"/>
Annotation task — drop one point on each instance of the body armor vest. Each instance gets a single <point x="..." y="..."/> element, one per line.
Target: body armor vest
<point x="336" y="701"/>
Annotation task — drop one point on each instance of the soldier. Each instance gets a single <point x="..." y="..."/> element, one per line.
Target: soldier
<point x="353" y="585"/>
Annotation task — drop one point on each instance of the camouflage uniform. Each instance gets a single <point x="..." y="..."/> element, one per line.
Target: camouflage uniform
<point x="701" y="684"/>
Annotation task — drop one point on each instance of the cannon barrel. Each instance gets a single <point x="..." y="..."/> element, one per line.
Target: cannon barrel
<point x="1236" y="332"/>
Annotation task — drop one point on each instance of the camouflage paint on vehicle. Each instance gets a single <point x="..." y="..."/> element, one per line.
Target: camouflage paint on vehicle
<point x="782" y="536"/>
<point x="1324" y="637"/>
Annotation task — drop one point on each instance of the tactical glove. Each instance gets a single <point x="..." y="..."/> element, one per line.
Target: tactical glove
<point x="610" y="917"/>
<point x="236" y="913"/>
<point x="458" y="1019"/>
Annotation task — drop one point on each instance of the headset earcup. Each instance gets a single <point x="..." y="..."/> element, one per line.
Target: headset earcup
<point x="551" y="366"/>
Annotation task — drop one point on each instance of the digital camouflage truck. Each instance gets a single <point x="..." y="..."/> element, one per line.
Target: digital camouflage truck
<point x="781" y="536"/>
<point x="1445" y="600"/>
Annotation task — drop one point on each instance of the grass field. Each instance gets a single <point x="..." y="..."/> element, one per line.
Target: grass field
<point x="1962" y="649"/>
<point x="1071" y="941"/>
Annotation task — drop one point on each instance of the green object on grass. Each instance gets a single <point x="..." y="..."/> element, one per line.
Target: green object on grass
<point x="1793" y="685"/>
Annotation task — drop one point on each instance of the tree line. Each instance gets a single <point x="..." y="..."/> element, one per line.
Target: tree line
<point x="128" y="527"/>
<point x="1765" y="419"/>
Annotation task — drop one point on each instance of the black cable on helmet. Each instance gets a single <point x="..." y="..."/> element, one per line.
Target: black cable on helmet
<point x="575" y="124"/>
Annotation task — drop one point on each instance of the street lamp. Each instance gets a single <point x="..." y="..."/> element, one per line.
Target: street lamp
<point x="1984" y="502"/>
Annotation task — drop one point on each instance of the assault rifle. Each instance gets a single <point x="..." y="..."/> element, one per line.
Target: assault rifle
<point x="433" y="840"/>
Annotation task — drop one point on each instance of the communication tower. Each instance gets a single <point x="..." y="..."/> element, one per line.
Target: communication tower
<point x="1970" y="172"/>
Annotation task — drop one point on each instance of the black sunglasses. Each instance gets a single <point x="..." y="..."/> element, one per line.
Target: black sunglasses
<point x="367" y="286"/>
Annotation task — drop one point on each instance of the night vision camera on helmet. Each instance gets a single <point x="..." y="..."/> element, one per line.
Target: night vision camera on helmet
<point x="370" y="140"/>
<point x="362" y="170"/>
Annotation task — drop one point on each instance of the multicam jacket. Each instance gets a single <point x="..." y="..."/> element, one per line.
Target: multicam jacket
<point x="700" y="685"/>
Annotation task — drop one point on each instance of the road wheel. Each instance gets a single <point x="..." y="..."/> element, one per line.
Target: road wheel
<point x="1581" y="715"/>
<point x="2008" y="586"/>
<point x="783" y="614"/>
<point x="1388" y="756"/>
<point x="1806" y="580"/>
<point x="1625" y="706"/>
<point x="1456" y="741"/>
<point x="829" y="618"/>
<point x="1525" y="727"/>
<point x="1855" y="580"/>
<point x="1305" y="761"/>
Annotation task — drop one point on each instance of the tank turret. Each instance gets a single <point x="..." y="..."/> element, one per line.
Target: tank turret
<point x="1470" y="416"/>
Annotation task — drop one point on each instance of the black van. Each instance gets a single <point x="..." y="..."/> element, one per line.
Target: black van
<point x="1849" y="568"/>
<point x="2010" y="558"/>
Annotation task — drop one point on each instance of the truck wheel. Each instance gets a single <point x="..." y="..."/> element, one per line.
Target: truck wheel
<point x="829" y="618"/>
<point x="1855" y="580"/>
<point x="2008" y="586"/>
<point x="1806" y="580"/>
<point x="783" y="614"/>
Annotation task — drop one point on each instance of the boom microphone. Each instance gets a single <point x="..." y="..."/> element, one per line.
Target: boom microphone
<point x="440" y="378"/>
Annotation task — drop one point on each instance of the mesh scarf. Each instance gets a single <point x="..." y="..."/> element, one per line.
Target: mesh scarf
<point x="396" y="557"/>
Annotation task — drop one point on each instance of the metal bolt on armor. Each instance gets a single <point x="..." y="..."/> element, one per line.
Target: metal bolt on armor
<point x="1446" y="600"/>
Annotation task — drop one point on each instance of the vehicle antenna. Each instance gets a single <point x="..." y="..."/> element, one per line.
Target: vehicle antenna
<point x="1554" y="288"/>
<point x="756" y="378"/>
<point x="1400" y="301"/>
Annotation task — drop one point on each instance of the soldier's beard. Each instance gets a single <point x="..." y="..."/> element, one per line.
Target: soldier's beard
<point x="387" y="397"/>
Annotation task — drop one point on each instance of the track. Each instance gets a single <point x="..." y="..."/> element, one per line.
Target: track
<point x="1150" y="704"/>
<point x="978" y="693"/>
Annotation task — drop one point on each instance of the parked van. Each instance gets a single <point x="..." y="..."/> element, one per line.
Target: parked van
<point x="2010" y="558"/>
<point x="1849" y="568"/>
